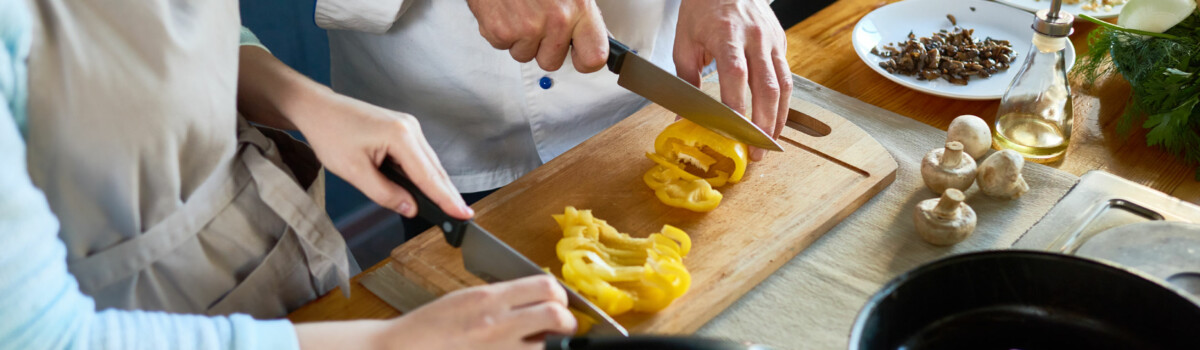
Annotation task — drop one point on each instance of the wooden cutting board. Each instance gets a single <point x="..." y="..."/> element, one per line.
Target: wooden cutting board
<point x="828" y="169"/>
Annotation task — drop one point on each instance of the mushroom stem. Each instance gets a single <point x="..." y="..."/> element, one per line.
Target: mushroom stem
<point x="953" y="155"/>
<point x="947" y="206"/>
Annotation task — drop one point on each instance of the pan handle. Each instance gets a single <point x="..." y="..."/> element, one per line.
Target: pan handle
<point x="646" y="342"/>
<point x="452" y="228"/>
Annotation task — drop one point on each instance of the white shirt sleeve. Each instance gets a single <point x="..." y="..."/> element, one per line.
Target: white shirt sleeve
<point x="371" y="16"/>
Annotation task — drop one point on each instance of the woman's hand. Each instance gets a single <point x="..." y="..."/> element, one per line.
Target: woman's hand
<point x="350" y="137"/>
<point x="509" y="315"/>
<point x="353" y="138"/>
<point x="503" y="316"/>
<point x="750" y="49"/>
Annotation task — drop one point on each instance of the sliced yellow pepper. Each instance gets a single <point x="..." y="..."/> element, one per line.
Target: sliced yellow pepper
<point x="583" y="322"/>
<point x="691" y="162"/>
<point x="618" y="272"/>
<point x="693" y="156"/>
<point x="695" y="195"/>
<point x="702" y="152"/>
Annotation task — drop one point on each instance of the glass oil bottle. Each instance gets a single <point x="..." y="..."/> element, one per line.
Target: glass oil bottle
<point x="1035" y="113"/>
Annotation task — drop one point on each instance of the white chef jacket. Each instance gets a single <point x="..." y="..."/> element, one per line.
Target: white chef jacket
<point x="490" y="118"/>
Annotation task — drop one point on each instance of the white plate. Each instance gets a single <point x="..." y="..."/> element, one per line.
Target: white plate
<point x="1075" y="9"/>
<point x="892" y="23"/>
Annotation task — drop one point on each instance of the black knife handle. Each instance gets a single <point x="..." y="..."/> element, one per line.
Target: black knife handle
<point x="616" y="54"/>
<point x="644" y="342"/>
<point x="452" y="228"/>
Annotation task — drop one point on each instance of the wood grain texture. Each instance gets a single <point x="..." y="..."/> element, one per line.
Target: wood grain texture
<point x="820" y="49"/>
<point x="784" y="203"/>
<point x="334" y="306"/>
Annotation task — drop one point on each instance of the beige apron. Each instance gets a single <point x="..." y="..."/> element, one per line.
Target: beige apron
<point x="168" y="199"/>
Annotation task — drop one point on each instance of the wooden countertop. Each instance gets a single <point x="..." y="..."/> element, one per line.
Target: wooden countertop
<point x="819" y="49"/>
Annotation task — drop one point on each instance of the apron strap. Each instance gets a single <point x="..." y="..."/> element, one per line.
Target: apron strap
<point x="127" y="258"/>
<point x="323" y="246"/>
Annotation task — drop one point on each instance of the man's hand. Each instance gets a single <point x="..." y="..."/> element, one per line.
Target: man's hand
<point x="504" y="316"/>
<point x="350" y="137"/>
<point x="545" y="30"/>
<point x="749" y="46"/>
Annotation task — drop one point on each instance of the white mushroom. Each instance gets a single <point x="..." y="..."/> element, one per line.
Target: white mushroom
<point x="948" y="167"/>
<point x="1000" y="175"/>
<point x="946" y="220"/>
<point x="972" y="132"/>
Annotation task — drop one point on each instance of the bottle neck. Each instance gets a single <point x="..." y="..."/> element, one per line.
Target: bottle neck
<point x="1049" y="44"/>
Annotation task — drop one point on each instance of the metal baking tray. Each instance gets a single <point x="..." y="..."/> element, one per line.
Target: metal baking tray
<point x="1110" y="218"/>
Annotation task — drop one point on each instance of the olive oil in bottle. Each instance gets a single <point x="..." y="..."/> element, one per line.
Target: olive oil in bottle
<point x="1030" y="136"/>
<point x="1035" y="113"/>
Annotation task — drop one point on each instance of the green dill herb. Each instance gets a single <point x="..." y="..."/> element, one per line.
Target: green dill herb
<point x="1164" y="73"/>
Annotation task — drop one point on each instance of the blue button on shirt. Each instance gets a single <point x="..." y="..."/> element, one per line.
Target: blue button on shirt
<point x="546" y="82"/>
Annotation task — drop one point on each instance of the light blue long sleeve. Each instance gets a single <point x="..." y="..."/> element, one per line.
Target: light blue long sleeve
<point x="15" y="43"/>
<point x="41" y="306"/>
<point x="247" y="37"/>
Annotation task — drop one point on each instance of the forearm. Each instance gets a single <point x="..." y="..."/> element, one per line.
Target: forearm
<point x="360" y="334"/>
<point x="271" y="93"/>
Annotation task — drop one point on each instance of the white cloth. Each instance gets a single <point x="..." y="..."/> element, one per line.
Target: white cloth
<point x="812" y="300"/>
<point x="486" y="115"/>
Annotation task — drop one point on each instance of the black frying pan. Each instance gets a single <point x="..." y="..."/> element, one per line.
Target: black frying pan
<point x="1029" y="300"/>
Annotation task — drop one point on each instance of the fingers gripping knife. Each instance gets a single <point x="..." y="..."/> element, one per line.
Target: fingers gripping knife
<point x="676" y="95"/>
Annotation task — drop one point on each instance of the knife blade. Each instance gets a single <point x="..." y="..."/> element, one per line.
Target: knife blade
<point x="657" y="342"/>
<point x="678" y="96"/>
<point x="488" y="257"/>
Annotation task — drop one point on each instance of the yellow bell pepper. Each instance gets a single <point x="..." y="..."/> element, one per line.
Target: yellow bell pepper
<point x="583" y="322"/>
<point x="702" y="152"/>
<point x="695" y="195"/>
<point x="691" y="162"/>
<point x="620" y="273"/>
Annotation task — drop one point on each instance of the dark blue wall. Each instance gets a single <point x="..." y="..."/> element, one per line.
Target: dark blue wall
<point x="287" y="28"/>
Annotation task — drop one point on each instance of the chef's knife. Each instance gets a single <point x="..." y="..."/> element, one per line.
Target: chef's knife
<point x="657" y="85"/>
<point x="489" y="258"/>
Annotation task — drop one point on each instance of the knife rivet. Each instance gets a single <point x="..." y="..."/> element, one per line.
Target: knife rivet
<point x="447" y="226"/>
<point x="546" y="82"/>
